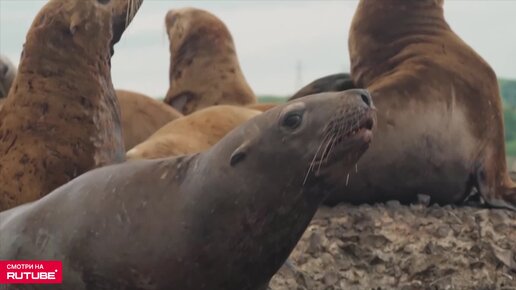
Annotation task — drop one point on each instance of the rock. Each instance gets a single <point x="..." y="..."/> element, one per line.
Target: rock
<point x="405" y="247"/>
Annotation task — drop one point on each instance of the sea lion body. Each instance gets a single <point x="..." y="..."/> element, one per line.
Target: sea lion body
<point x="61" y="117"/>
<point x="204" y="68"/>
<point x="193" y="133"/>
<point x="224" y="219"/>
<point x="440" y="126"/>
<point x="7" y="74"/>
<point x="141" y="116"/>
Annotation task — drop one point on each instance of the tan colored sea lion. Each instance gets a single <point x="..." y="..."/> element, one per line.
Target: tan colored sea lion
<point x="193" y="133"/>
<point x="262" y="106"/>
<point x="440" y="125"/>
<point x="204" y="68"/>
<point x="224" y="219"/>
<point x="141" y="116"/>
<point x="61" y="117"/>
<point x="7" y="74"/>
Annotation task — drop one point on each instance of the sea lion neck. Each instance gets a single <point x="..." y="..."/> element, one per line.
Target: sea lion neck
<point x="387" y="27"/>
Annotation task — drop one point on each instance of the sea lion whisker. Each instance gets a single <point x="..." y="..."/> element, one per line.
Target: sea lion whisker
<point x="312" y="163"/>
<point x="325" y="153"/>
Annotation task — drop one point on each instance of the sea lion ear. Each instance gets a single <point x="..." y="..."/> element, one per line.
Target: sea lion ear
<point x="239" y="154"/>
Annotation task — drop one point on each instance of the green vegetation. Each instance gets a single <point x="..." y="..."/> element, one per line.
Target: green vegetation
<point x="508" y="91"/>
<point x="271" y="99"/>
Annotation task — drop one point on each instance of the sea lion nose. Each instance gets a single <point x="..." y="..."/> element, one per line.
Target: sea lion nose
<point x="366" y="97"/>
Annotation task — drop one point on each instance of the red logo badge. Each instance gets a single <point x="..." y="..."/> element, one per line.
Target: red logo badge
<point x="31" y="272"/>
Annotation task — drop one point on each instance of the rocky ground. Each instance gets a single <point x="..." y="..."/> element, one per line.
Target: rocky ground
<point x="390" y="246"/>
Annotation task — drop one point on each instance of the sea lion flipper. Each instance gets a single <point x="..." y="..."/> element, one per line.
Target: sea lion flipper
<point x="496" y="192"/>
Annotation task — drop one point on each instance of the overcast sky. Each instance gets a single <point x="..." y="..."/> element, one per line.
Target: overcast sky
<point x="271" y="37"/>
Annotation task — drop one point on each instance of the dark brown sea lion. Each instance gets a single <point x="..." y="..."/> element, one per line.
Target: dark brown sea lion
<point x="332" y="83"/>
<point x="440" y="127"/>
<point x="141" y="116"/>
<point x="204" y="68"/>
<point x="7" y="74"/>
<point x="225" y="219"/>
<point x="61" y="117"/>
<point x="193" y="133"/>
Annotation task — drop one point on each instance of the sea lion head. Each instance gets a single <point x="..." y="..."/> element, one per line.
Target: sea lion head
<point x="92" y="17"/>
<point x="194" y="29"/>
<point x="204" y="68"/>
<point x="7" y="74"/>
<point x="301" y="140"/>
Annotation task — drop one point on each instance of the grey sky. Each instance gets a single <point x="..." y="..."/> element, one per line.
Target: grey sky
<point x="271" y="37"/>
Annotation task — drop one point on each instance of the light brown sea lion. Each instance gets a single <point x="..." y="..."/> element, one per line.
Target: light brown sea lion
<point x="193" y="133"/>
<point x="61" y="117"/>
<point x="204" y="68"/>
<point x="223" y="219"/>
<point x="141" y="116"/>
<point x="7" y="74"/>
<point x="440" y="127"/>
<point x="262" y="106"/>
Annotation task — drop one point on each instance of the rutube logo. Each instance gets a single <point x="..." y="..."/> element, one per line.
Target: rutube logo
<point x="31" y="272"/>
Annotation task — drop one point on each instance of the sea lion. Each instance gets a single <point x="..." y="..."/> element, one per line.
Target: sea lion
<point x="193" y="133"/>
<point x="223" y="219"/>
<point x="141" y="116"/>
<point x="7" y="74"/>
<point x="61" y="117"/>
<point x="204" y="68"/>
<point x="440" y="127"/>
<point x="332" y="83"/>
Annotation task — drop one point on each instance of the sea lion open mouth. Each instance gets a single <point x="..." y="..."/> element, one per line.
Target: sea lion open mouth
<point x="346" y="136"/>
<point x="343" y="133"/>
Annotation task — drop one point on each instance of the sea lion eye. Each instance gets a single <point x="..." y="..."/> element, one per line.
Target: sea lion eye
<point x="104" y="1"/>
<point x="292" y="120"/>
